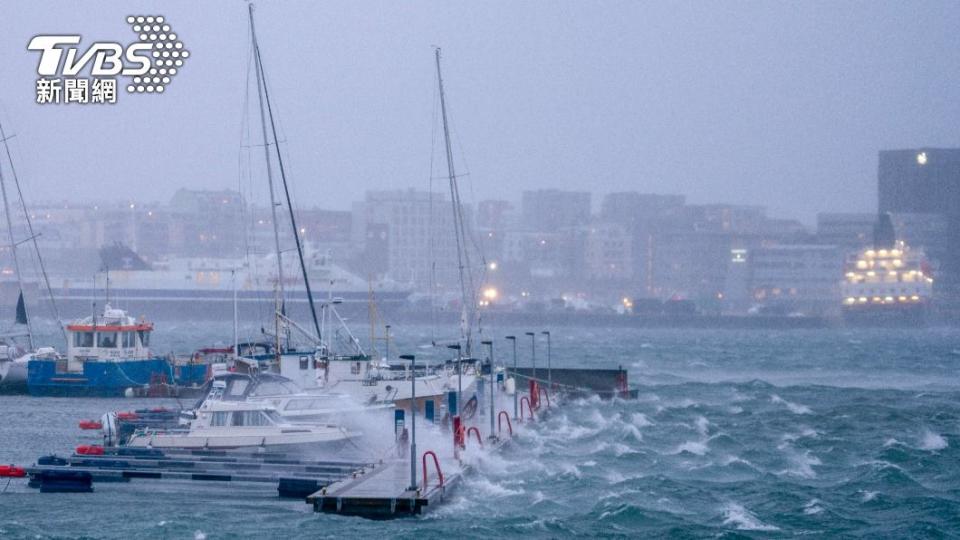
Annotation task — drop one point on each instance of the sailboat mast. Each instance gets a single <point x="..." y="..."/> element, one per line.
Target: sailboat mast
<point x="13" y="250"/>
<point x="33" y="236"/>
<point x="463" y="259"/>
<point x="283" y="176"/>
<point x="266" y="154"/>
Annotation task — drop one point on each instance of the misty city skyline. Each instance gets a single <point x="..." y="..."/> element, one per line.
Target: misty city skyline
<point x="780" y="106"/>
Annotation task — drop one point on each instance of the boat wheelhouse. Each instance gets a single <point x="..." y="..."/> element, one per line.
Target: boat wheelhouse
<point x="109" y="355"/>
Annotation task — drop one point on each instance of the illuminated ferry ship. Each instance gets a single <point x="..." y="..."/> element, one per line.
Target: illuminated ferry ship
<point x="889" y="283"/>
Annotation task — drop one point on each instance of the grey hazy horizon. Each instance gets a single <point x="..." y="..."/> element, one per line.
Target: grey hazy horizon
<point x="783" y="105"/>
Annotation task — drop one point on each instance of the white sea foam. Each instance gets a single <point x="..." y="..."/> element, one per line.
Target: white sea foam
<point x="698" y="448"/>
<point x="813" y="507"/>
<point x="493" y="489"/>
<point x="891" y="442"/>
<point x="199" y="535"/>
<point x="932" y="441"/>
<point x="801" y="463"/>
<point x="743" y="519"/>
<point x="631" y="430"/>
<point x="795" y="408"/>
<point x="701" y="424"/>
<point x="868" y="496"/>
<point x="640" y="420"/>
<point x="570" y="469"/>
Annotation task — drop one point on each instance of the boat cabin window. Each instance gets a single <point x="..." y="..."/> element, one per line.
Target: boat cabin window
<point x="107" y="340"/>
<point x="144" y="337"/>
<point x="128" y="340"/>
<point x="273" y="388"/>
<point x="250" y="418"/>
<point x="219" y="419"/>
<point x="83" y="339"/>
<point x="237" y="387"/>
<point x="304" y="362"/>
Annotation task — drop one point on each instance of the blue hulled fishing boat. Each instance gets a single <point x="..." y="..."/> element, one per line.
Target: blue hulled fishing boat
<point x="109" y="356"/>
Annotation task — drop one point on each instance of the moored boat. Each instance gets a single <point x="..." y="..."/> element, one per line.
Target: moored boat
<point x="225" y="425"/>
<point x="107" y="356"/>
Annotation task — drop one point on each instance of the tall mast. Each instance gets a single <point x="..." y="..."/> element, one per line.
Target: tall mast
<point x="266" y="154"/>
<point x="262" y="82"/>
<point x="13" y="246"/>
<point x="463" y="258"/>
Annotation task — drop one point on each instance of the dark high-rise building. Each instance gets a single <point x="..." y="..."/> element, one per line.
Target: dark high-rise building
<point x="927" y="181"/>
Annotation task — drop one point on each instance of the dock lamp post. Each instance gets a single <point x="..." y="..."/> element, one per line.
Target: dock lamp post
<point x="549" y="362"/>
<point x="413" y="420"/>
<point x="515" y="408"/>
<point x="533" y="352"/>
<point x="459" y="376"/>
<point x="489" y="345"/>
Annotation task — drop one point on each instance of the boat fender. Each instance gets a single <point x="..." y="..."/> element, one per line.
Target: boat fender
<point x="90" y="424"/>
<point x="89" y="450"/>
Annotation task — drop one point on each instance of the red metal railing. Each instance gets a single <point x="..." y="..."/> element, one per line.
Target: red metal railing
<point x="500" y="417"/>
<point x="526" y="400"/>
<point x="476" y="431"/>
<point x="543" y="391"/>
<point x="436" y="464"/>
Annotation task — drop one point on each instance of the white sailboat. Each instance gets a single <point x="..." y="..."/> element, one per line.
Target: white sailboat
<point x="13" y="358"/>
<point x="354" y="372"/>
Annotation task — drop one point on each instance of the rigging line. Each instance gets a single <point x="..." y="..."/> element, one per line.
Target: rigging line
<point x="463" y="256"/>
<point x="261" y="91"/>
<point x="33" y="236"/>
<point x="13" y="251"/>
<point x="430" y="226"/>
<point x="283" y="177"/>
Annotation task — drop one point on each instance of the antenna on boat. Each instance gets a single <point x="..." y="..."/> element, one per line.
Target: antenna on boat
<point x="13" y="248"/>
<point x="264" y="93"/>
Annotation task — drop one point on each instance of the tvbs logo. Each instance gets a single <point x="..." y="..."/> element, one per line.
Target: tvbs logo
<point x="147" y="65"/>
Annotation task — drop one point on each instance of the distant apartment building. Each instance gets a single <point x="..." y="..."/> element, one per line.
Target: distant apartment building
<point x="803" y="278"/>
<point x="608" y="254"/>
<point x="851" y="231"/>
<point x="420" y="243"/>
<point x="552" y="209"/>
<point x="200" y="223"/>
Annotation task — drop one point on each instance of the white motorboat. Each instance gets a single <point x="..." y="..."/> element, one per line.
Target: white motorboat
<point x="223" y="425"/>
<point x="291" y="403"/>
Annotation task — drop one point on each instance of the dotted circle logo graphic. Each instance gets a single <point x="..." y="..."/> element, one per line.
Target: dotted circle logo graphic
<point x="167" y="52"/>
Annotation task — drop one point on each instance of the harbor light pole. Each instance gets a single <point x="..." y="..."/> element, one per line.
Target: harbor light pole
<point x="549" y="366"/>
<point x="459" y="377"/>
<point x="413" y="421"/>
<point x="489" y="345"/>
<point x="533" y="352"/>
<point x="515" y="408"/>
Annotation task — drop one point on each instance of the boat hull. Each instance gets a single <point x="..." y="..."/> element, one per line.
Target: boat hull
<point x="910" y="315"/>
<point x="13" y="376"/>
<point x="110" y="378"/>
<point x="305" y="441"/>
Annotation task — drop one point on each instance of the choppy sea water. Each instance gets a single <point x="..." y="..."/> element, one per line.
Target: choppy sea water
<point x="735" y="433"/>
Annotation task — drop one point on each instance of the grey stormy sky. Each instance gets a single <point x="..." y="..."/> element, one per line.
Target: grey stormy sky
<point x="772" y="103"/>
